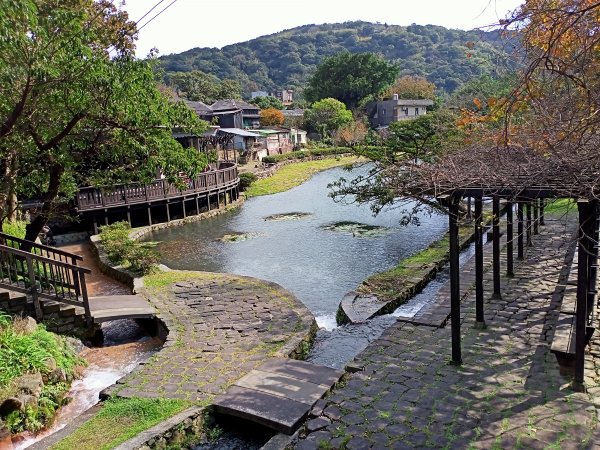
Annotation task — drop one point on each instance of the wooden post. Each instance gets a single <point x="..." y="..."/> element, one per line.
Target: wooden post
<point x="520" y="230"/>
<point x="95" y="224"/>
<point x="85" y="300"/>
<point x="454" y="280"/>
<point x="528" y="227"/>
<point x="149" y="215"/>
<point x="479" y="316"/>
<point x="509" y="240"/>
<point x="39" y="314"/>
<point x="542" y="205"/>
<point x="536" y="217"/>
<point x="183" y="207"/>
<point x="168" y="212"/>
<point x="496" y="246"/>
<point x="129" y="215"/>
<point x="197" y="205"/>
<point x="582" y="286"/>
<point x="208" y="200"/>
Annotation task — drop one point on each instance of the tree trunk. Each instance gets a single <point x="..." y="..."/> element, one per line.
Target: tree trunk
<point x="32" y="230"/>
<point x="8" y="177"/>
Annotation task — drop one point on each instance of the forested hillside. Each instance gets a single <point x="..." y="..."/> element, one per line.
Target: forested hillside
<point x="286" y="59"/>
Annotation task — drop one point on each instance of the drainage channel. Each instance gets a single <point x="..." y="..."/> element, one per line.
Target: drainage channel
<point x="126" y="344"/>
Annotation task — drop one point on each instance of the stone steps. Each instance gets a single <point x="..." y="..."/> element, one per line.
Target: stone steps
<point x="59" y="316"/>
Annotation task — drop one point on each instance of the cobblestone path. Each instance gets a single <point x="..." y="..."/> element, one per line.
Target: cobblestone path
<point x="507" y="394"/>
<point x="221" y="327"/>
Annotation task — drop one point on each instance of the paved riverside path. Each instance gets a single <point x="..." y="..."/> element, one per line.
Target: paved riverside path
<point x="221" y="327"/>
<point x="507" y="394"/>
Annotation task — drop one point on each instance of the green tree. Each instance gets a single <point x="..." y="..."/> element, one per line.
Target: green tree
<point x="411" y="87"/>
<point x="267" y="102"/>
<point x="229" y="89"/>
<point x="203" y="87"/>
<point x="477" y="93"/>
<point x="422" y="138"/>
<point x="351" y="78"/>
<point x="77" y="108"/>
<point x="326" y="116"/>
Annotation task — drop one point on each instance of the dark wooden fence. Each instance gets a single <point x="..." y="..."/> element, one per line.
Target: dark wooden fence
<point x="43" y="273"/>
<point x="91" y="198"/>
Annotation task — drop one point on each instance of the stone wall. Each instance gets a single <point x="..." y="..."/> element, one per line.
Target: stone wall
<point x="57" y="318"/>
<point x="172" y="433"/>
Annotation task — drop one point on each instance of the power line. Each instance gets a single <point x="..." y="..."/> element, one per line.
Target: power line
<point x="148" y="12"/>
<point x="158" y="14"/>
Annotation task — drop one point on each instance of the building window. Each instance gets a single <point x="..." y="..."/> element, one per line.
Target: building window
<point x="416" y="111"/>
<point x="383" y="112"/>
<point x="406" y="111"/>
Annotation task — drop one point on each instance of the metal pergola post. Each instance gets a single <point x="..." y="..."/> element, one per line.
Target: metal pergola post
<point x="479" y="315"/>
<point x="509" y="240"/>
<point x="454" y="280"/>
<point x="496" y="246"/>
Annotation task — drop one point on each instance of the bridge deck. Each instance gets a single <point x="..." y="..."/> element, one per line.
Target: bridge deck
<point x="113" y="307"/>
<point x="279" y="394"/>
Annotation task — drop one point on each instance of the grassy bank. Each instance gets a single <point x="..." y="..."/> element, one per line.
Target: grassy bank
<point x="294" y="175"/>
<point x="396" y="282"/>
<point x="120" y="419"/>
<point x="27" y="349"/>
<point x="560" y="206"/>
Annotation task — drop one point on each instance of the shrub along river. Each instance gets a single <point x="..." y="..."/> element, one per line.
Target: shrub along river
<point x="312" y="246"/>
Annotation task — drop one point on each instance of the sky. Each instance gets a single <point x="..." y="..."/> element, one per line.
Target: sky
<point x="188" y="24"/>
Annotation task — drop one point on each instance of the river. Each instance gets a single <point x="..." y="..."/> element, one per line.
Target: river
<point x="305" y="253"/>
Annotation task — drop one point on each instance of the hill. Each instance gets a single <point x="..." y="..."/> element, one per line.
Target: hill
<point x="286" y="59"/>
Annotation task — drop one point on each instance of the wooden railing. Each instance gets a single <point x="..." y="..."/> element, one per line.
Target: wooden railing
<point x="39" y="249"/>
<point x="43" y="277"/>
<point x="90" y="198"/>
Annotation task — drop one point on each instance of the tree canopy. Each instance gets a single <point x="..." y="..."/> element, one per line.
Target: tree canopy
<point x="287" y="59"/>
<point x="267" y="102"/>
<point x="411" y="87"/>
<point x="351" y="78"/>
<point x="326" y="116"/>
<point x="203" y="87"/>
<point x="271" y="116"/>
<point x="77" y="108"/>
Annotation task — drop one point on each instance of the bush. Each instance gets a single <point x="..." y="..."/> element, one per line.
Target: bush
<point x="123" y="250"/>
<point x="142" y="259"/>
<point x="246" y="179"/>
<point x="16" y="228"/>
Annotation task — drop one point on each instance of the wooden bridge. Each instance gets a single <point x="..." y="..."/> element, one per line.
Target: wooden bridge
<point x="197" y="193"/>
<point x="51" y="279"/>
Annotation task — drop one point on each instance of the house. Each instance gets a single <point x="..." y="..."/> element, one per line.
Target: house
<point x="276" y="140"/>
<point x="384" y="112"/>
<point x="201" y="109"/>
<point x="246" y="143"/>
<point x="298" y="137"/>
<point x="228" y="118"/>
<point x="250" y="113"/>
<point x="294" y="118"/>
<point x="286" y="96"/>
